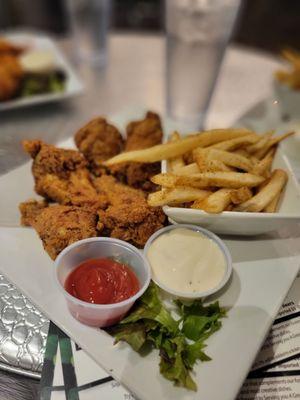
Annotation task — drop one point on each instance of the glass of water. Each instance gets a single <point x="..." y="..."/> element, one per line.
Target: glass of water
<point x="197" y="34"/>
<point x="89" y="23"/>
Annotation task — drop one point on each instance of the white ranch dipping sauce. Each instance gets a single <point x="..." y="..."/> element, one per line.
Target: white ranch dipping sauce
<point x="186" y="261"/>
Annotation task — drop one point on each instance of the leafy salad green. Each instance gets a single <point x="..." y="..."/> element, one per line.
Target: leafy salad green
<point x="51" y="82"/>
<point x="180" y="342"/>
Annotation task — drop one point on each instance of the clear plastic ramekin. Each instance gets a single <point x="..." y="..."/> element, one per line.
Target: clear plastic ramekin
<point x="100" y="315"/>
<point x="223" y="248"/>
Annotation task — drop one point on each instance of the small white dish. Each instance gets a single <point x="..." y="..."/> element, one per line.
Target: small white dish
<point x="100" y="315"/>
<point x="246" y="223"/>
<point x="211" y="236"/>
<point x="37" y="41"/>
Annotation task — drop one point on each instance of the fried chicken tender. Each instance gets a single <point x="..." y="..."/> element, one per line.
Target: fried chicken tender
<point x="10" y="76"/>
<point x="58" y="226"/>
<point x="30" y="209"/>
<point x="61" y="175"/>
<point x="9" y="48"/>
<point x="140" y="135"/>
<point x="128" y="217"/>
<point x="98" y="141"/>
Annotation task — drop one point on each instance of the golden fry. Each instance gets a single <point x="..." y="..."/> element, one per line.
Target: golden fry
<point x="235" y="143"/>
<point x="216" y="202"/>
<point x="272" y="207"/>
<point x="232" y="180"/>
<point x="178" y="148"/>
<point x="290" y="77"/>
<point x="178" y="195"/>
<point x="241" y="152"/>
<point x="264" y="165"/>
<point x="264" y="197"/>
<point x="241" y="195"/>
<point x="205" y="164"/>
<point x="272" y="142"/>
<point x="188" y="169"/>
<point x="176" y="162"/>
<point x="230" y="159"/>
<point x="253" y="148"/>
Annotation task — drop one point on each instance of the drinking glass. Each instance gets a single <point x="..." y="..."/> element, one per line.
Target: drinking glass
<point x="89" y="23"/>
<point x="197" y="33"/>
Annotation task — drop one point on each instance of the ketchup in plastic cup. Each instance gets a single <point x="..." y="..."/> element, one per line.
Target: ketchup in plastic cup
<point x="100" y="315"/>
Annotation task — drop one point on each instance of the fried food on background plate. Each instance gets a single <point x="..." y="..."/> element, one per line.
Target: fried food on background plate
<point x="140" y="135"/>
<point x="9" y="48"/>
<point x="128" y="217"/>
<point x="58" y="226"/>
<point x="98" y="141"/>
<point x="61" y="175"/>
<point x="30" y="209"/>
<point x="10" y="76"/>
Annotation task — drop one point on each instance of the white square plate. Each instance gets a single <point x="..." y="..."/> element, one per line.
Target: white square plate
<point x="246" y="223"/>
<point x="39" y="41"/>
<point x="263" y="272"/>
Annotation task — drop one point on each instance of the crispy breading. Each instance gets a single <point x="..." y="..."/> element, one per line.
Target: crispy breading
<point x="9" y="48"/>
<point x="61" y="175"/>
<point x="98" y="141"/>
<point x="30" y="209"/>
<point x="144" y="133"/>
<point x="140" y="135"/>
<point x="59" y="226"/>
<point x="10" y="76"/>
<point x="128" y="217"/>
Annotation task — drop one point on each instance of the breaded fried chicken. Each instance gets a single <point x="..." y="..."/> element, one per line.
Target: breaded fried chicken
<point x="128" y="217"/>
<point x="61" y="175"/>
<point x="30" y="209"/>
<point x="10" y="76"/>
<point x="59" y="226"/>
<point x="140" y="135"/>
<point x="9" y="48"/>
<point x="98" y="141"/>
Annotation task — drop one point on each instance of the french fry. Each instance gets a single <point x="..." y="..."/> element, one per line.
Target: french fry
<point x="178" y="148"/>
<point x="261" y="200"/>
<point x="292" y="56"/>
<point x="188" y="169"/>
<point x="235" y="143"/>
<point x="241" y="195"/>
<point x="176" y="162"/>
<point x="254" y="160"/>
<point x="214" y="203"/>
<point x="178" y="195"/>
<point x="208" y="165"/>
<point x="230" y="159"/>
<point x="241" y="152"/>
<point x="290" y="77"/>
<point x="260" y="144"/>
<point x="271" y="142"/>
<point x="231" y="180"/>
<point x="264" y="165"/>
<point x="272" y="207"/>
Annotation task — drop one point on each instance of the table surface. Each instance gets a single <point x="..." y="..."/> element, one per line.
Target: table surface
<point x="134" y="77"/>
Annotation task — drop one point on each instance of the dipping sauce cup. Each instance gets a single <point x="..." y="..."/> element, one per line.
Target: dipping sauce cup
<point x="184" y="253"/>
<point x="100" y="315"/>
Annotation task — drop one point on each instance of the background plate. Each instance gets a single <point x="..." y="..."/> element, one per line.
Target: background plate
<point x="38" y="41"/>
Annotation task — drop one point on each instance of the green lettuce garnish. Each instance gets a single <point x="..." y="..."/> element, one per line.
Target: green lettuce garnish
<point x="180" y="342"/>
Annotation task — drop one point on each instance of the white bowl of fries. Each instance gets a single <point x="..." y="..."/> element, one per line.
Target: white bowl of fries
<point x="230" y="181"/>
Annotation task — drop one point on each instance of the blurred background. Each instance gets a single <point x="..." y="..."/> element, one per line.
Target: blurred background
<point x="264" y="24"/>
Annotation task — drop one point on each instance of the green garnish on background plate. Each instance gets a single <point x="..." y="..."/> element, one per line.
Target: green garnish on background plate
<point x="180" y="342"/>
